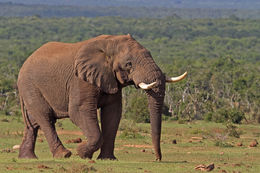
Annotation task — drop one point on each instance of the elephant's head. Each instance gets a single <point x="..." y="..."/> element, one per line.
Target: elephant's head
<point x="112" y="62"/>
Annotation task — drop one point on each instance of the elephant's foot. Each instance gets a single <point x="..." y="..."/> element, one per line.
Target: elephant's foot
<point x="106" y="157"/>
<point x="83" y="151"/>
<point x="62" y="152"/>
<point x="26" y="154"/>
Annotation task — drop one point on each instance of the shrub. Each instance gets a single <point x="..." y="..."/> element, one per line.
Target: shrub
<point x="223" y="144"/>
<point x="129" y="129"/>
<point x="208" y="116"/>
<point x="232" y="130"/>
<point x="130" y="135"/>
<point x="224" y="115"/>
<point x="236" y="116"/>
<point x="221" y="116"/>
<point x="138" y="109"/>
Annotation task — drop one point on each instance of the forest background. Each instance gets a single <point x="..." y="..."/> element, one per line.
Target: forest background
<point x="219" y="47"/>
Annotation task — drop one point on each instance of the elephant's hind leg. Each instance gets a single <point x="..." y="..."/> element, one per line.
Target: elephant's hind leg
<point x="56" y="147"/>
<point x="30" y="134"/>
<point x="43" y="114"/>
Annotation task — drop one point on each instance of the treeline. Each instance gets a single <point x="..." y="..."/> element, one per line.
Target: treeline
<point x="221" y="4"/>
<point x="221" y="56"/>
<point x="20" y="10"/>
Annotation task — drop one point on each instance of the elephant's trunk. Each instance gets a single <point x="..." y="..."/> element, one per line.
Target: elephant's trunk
<point x="155" y="108"/>
<point x="153" y="82"/>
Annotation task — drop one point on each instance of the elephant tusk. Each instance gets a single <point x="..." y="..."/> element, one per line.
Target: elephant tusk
<point x="176" y="79"/>
<point x="146" y="86"/>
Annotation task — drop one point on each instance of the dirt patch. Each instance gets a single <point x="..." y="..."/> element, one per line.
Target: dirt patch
<point x="43" y="167"/>
<point x="138" y="146"/>
<point x="59" y="132"/>
<point x="77" y="140"/>
<point x="68" y="132"/>
<point x="7" y="150"/>
<point x="91" y="161"/>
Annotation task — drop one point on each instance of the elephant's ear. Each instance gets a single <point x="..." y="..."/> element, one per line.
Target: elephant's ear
<point x="94" y="66"/>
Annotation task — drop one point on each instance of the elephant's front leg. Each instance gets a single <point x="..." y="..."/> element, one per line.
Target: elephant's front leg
<point x="83" y="113"/>
<point x="110" y="118"/>
<point x="91" y="130"/>
<point x="87" y="121"/>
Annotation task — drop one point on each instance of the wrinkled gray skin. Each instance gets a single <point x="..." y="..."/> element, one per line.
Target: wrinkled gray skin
<point x="72" y="80"/>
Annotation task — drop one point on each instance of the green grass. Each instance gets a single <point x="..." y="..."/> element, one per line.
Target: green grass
<point x="180" y="157"/>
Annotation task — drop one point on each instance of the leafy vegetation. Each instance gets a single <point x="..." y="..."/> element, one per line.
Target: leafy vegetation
<point x="137" y="109"/>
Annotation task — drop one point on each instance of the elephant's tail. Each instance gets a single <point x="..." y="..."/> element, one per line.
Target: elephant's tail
<point x="24" y="112"/>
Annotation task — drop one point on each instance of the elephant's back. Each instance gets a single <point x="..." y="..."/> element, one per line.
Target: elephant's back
<point x="48" y="58"/>
<point x="49" y="70"/>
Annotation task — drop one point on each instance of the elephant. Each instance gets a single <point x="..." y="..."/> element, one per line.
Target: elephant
<point x="73" y="80"/>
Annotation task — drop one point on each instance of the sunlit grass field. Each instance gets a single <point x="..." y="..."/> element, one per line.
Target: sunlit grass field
<point x="197" y="143"/>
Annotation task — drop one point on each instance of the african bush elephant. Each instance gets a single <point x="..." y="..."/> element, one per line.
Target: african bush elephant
<point x="73" y="80"/>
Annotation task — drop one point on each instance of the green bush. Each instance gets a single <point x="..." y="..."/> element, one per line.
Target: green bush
<point x="236" y="116"/>
<point x="223" y="144"/>
<point x="232" y="130"/>
<point x="129" y="129"/>
<point x="208" y="116"/>
<point x="130" y="135"/>
<point x="138" y="109"/>
<point x="224" y="115"/>
<point x="173" y="118"/>
<point x="221" y="116"/>
<point x="165" y="117"/>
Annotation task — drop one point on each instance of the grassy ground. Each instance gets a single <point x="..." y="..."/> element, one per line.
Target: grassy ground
<point x="196" y="144"/>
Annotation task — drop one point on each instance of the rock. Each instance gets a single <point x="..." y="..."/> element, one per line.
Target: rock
<point x="210" y="167"/>
<point x="196" y="138"/>
<point x="7" y="150"/>
<point x="68" y="141"/>
<point x="203" y="167"/>
<point x="91" y="161"/>
<point x="5" y="120"/>
<point x="174" y="141"/>
<point x="254" y="143"/>
<point x="239" y="144"/>
<point x="16" y="147"/>
<point x="9" y="168"/>
<point x="77" y="140"/>
<point x="40" y="140"/>
<point x="43" y="167"/>
<point x="236" y="165"/>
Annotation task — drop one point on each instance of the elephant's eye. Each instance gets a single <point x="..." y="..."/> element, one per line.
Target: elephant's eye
<point x="128" y="65"/>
